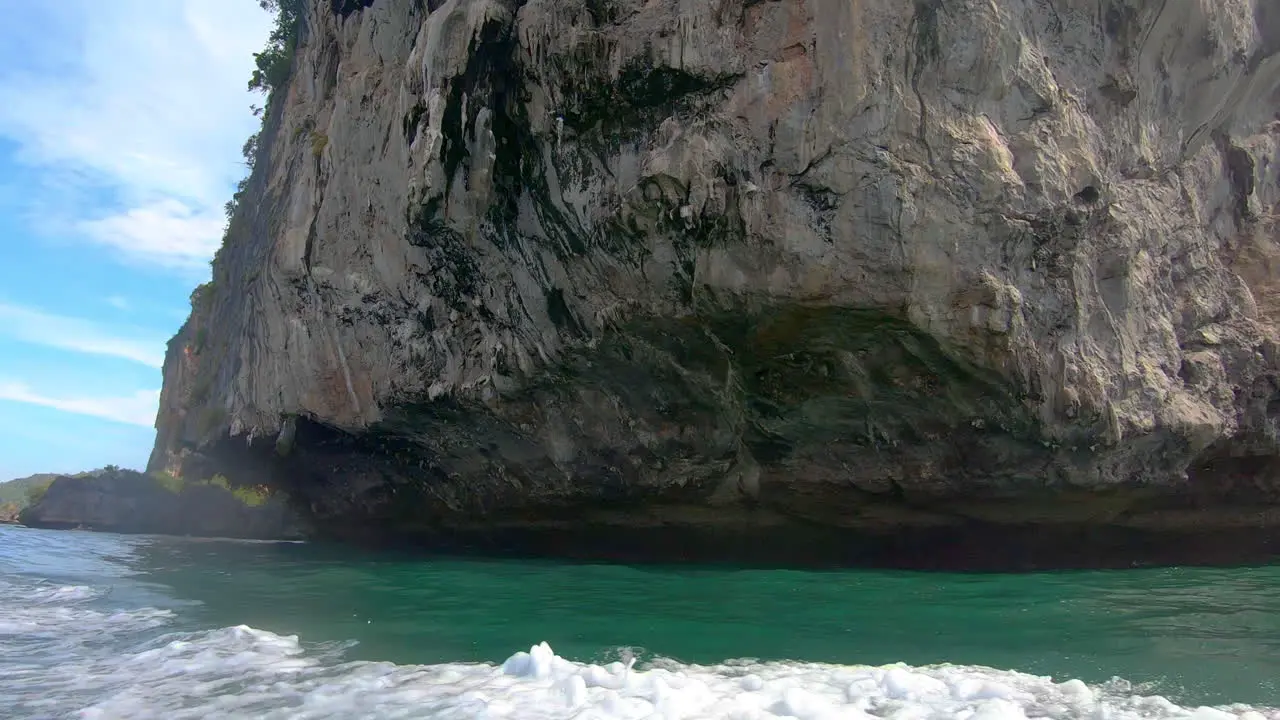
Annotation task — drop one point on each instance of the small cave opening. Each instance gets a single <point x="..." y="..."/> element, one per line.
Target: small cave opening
<point x="346" y="7"/>
<point x="1088" y="195"/>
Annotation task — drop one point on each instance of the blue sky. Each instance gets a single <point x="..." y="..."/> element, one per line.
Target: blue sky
<point x="120" y="131"/>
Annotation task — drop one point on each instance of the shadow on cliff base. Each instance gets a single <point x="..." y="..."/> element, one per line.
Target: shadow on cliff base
<point x="974" y="547"/>
<point x="741" y="541"/>
<point x="736" y="534"/>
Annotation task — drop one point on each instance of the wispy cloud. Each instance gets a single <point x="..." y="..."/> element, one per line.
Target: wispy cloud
<point x="119" y="302"/>
<point x="167" y="233"/>
<point x="136" y="409"/>
<point x="137" y="105"/>
<point x="68" y="333"/>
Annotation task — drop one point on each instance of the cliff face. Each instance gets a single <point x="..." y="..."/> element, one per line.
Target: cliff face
<point x="749" y="265"/>
<point x="128" y="502"/>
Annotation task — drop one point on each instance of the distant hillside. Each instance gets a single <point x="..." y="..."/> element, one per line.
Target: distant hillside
<point x="18" y="491"/>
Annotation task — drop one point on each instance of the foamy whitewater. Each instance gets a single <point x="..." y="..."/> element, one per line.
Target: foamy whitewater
<point x="63" y="654"/>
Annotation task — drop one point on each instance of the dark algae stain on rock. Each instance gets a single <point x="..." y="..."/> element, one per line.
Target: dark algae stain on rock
<point x="888" y="283"/>
<point x="630" y="107"/>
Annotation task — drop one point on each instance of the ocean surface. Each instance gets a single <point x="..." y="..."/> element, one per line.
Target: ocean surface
<point x="107" y="626"/>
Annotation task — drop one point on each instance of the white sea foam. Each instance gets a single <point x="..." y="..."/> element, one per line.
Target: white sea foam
<point x="69" y="650"/>
<point x="90" y="624"/>
<point x="243" y="672"/>
<point x="46" y="610"/>
<point x="43" y="593"/>
<point x="62" y="654"/>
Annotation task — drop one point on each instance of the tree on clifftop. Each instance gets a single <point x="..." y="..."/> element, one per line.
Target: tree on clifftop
<point x="275" y="61"/>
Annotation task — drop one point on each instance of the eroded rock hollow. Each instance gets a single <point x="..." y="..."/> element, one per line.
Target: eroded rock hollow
<point x="758" y="279"/>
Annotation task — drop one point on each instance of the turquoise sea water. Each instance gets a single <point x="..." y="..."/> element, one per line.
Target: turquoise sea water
<point x="97" y="625"/>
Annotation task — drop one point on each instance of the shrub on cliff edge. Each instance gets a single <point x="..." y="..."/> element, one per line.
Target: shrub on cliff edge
<point x="35" y="493"/>
<point x="275" y="62"/>
<point x="169" y="482"/>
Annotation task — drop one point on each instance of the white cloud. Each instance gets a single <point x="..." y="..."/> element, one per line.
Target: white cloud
<point x="136" y="409"/>
<point x="68" y="333"/>
<point x="166" y="233"/>
<point x="142" y="107"/>
<point x="119" y="302"/>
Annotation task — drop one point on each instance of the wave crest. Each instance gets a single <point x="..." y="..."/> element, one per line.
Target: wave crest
<point x="244" y="672"/>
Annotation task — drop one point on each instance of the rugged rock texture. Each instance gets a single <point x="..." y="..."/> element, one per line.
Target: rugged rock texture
<point x="128" y="502"/>
<point x="754" y="269"/>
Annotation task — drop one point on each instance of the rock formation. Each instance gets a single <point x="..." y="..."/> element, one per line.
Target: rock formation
<point x="124" y="501"/>
<point x="754" y="269"/>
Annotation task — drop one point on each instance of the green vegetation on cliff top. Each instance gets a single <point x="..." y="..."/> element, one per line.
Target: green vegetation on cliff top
<point x="252" y="496"/>
<point x="275" y="61"/>
<point x="25" y="492"/>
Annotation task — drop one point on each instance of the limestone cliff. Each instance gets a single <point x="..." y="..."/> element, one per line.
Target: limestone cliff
<point x="741" y="266"/>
